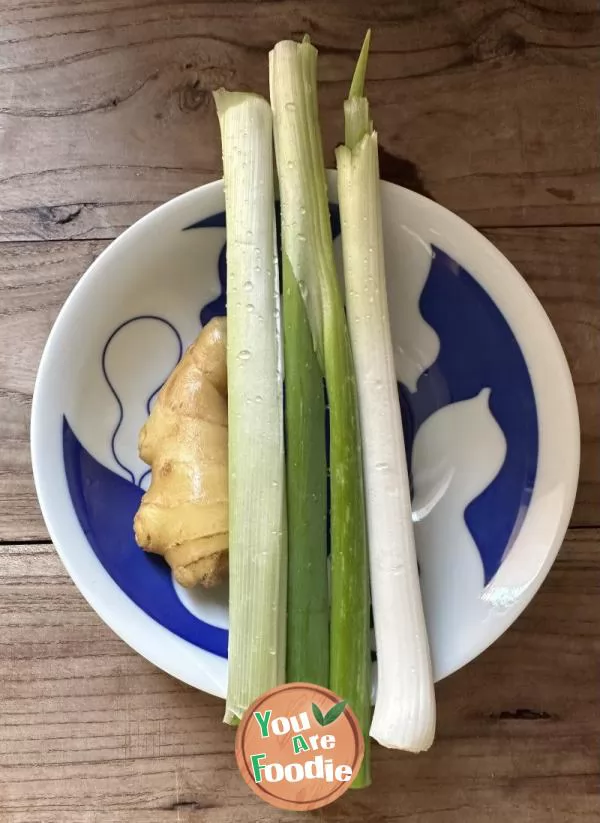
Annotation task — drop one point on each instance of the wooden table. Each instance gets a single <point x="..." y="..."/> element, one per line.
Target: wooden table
<point x="105" y="111"/>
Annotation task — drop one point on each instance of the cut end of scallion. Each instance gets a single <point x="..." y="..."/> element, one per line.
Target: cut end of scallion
<point x="225" y="100"/>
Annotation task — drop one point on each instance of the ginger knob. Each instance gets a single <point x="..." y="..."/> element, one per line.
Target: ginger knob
<point x="184" y="514"/>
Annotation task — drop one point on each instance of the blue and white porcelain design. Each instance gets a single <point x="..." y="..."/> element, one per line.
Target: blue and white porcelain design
<point x="487" y="402"/>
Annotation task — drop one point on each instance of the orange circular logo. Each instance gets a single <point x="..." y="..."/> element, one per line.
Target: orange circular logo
<point x="299" y="747"/>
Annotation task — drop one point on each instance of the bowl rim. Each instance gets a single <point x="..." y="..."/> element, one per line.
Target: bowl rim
<point x="197" y="668"/>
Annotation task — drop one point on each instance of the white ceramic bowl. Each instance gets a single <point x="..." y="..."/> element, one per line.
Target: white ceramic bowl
<point x="488" y="405"/>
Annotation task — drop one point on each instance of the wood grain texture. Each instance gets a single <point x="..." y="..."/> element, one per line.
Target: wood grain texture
<point x="561" y="265"/>
<point x="35" y="280"/>
<point x="106" y="109"/>
<point x="92" y="733"/>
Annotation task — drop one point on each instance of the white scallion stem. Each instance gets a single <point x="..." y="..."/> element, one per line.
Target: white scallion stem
<point x="404" y="716"/>
<point x="257" y="540"/>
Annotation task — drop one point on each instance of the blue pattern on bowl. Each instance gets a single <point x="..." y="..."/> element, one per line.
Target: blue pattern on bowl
<point x="477" y="350"/>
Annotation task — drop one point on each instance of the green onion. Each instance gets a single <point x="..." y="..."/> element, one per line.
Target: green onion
<point x="307" y="241"/>
<point x="404" y="715"/>
<point x="308" y="591"/>
<point x="257" y="546"/>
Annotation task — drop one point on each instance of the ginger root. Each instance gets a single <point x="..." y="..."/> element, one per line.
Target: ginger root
<point x="184" y="514"/>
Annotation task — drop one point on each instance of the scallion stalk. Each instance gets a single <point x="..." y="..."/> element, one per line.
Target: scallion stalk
<point x="404" y="715"/>
<point x="307" y="241"/>
<point x="308" y="590"/>
<point x="257" y="544"/>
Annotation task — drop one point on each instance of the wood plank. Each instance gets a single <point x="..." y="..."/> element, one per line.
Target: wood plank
<point x="106" y="111"/>
<point x="35" y="280"/>
<point x="92" y="733"/>
<point x="562" y="266"/>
